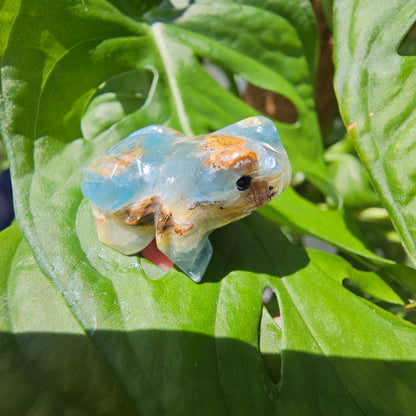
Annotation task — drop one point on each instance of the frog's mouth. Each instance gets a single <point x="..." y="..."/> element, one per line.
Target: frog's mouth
<point x="263" y="190"/>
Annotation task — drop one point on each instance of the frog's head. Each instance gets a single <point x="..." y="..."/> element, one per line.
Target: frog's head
<point x="249" y="166"/>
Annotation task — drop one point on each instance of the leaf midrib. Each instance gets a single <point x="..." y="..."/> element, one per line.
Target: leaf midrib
<point x="156" y="30"/>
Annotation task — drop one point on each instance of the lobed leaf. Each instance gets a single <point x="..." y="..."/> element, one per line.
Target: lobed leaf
<point x="49" y="365"/>
<point x="368" y="282"/>
<point x="199" y="334"/>
<point x="334" y="227"/>
<point x="88" y="332"/>
<point x="45" y="94"/>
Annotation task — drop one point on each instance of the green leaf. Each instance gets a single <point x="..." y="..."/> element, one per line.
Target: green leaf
<point x="210" y="28"/>
<point x="49" y="365"/>
<point x="114" y="100"/>
<point x="7" y="16"/>
<point x="334" y="227"/>
<point x="184" y="94"/>
<point x="135" y="8"/>
<point x="270" y="336"/>
<point x="85" y="331"/>
<point x="368" y="282"/>
<point x="350" y="177"/>
<point x="330" y="225"/>
<point x="408" y="45"/>
<point x="375" y="88"/>
<point x="326" y="8"/>
<point x="4" y="163"/>
<point x="10" y="239"/>
<point x="42" y="132"/>
<point x="183" y="343"/>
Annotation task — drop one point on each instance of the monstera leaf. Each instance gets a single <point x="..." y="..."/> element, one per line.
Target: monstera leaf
<point x="375" y="86"/>
<point x="84" y="329"/>
<point x="83" y="52"/>
<point x="191" y="349"/>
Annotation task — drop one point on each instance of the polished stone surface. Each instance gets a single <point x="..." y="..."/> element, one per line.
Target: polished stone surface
<point x="159" y="182"/>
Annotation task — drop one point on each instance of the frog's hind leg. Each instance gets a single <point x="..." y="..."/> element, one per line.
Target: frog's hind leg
<point x="182" y="241"/>
<point x="116" y="233"/>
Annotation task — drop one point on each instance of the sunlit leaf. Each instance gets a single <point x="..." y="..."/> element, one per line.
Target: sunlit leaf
<point x="195" y="347"/>
<point x="334" y="227"/>
<point x="84" y="330"/>
<point x="375" y="88"/>
<point x="368" y="282"/>
<point x="47" y="87"/>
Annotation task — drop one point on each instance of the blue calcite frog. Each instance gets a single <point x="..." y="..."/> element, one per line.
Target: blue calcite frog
<point x="159" y="182"/>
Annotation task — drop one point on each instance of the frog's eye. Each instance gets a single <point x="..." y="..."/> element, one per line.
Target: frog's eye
<point x="243" y="183"/>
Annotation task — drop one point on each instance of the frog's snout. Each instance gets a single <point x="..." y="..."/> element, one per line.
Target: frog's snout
<point x="261" y="191"/>
<point x="264" y="189"/>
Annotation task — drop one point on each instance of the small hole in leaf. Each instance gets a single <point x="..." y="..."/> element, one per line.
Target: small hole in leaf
<point x="222" y="75"/>
<point x="269" y="300"/>
<point x="353" y="287"/>
<point x="313" y="242"/>
<point x="180" y="4"/>
<point x="309" y="191"/>
<point x="270" y="103"/>
<point x="270" y="335"/>
<point x="114" y="99"/>
<point x="408" y="45"/>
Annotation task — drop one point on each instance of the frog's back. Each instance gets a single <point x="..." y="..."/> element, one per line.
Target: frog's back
<point x="130" y="170"/>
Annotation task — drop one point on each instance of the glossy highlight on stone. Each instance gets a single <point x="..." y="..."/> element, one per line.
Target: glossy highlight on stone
<point x="157" y="182"/>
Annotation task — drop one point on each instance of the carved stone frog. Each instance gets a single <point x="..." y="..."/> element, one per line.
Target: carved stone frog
<point x="160" y="183"/>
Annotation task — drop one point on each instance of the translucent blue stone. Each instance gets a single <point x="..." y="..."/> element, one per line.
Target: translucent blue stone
<point x="160" y="183"/>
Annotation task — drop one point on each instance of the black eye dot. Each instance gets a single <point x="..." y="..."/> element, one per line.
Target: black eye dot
<point x="243" y="183"/>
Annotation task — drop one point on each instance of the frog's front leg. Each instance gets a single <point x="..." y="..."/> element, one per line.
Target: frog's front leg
<point x="195" y="262"/>
<point x="184" y="242"/>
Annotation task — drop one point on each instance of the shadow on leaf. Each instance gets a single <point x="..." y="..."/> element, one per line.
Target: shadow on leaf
<point x="254" y="245"/>
<point x="160" y="372"/>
